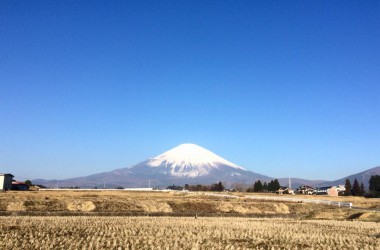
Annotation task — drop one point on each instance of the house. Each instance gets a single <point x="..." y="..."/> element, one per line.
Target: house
<point x="330" y="190"/>
<point x="305" y="190"/>
<point x="6" y="182"/>
<point x="341" y="188"/>
<point x="322" y="190"/>
<point x="285" y="190"/>
<point x="21" y="186"/>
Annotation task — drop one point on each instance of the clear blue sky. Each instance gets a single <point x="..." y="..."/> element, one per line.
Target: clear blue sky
<point x="283" y="88"/>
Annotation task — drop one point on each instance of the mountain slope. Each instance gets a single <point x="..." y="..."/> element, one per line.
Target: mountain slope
<point x="297" y="182"/>
<point x="185" y="164"/>
<point x="188" y="164"/>
<point x="361" y="177"/>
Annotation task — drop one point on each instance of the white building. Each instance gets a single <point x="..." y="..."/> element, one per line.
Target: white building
<point x="330" y="190"/>
<point x="6" y="182"/>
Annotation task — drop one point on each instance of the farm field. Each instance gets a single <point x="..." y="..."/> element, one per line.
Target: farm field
<point x="175" y="204"/>
<point x="106" y="219"/>
<point x="92" y="232"/>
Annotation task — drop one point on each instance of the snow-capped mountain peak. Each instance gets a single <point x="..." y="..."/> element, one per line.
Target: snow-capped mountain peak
<point x="190" y="160"/>
<point x="185" y="164"/>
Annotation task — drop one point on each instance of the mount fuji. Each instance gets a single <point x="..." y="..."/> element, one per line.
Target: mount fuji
<point x="188" y="160"/>
<point x="184" y="164"/>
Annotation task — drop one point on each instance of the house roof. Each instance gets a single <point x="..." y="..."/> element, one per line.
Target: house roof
<point x="305" y="186"/>
<point x="6" y="174"/>
<point x="18" y="183"/>
<point x="324" y="188"/>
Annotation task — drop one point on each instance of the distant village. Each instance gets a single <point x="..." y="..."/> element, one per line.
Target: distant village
<point x="8" y="183"/>
<point x="328" y="190"/>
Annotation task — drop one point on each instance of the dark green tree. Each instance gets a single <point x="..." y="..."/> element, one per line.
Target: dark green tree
<point x="270" y="186"/>
<point x="218" y="187"/>
<point x="374" y="183"/>
<point x="276" y="185"/>
<point x="356" y="188"/>
<point x="348" y="187"/>
<point x="265" y="187"/>
<point x="257" y="187"/>
<point x="362" y="189"/>
<point x="273" y="185"/>
<point x="374" y="186"/>
<point x="28" y="182"/>
<point x="174" y="187"/>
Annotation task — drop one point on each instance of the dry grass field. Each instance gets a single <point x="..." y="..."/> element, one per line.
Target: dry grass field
<point x="92" y="232"/>
<point x="80" y="219"/>
<point x="177" y="203"/>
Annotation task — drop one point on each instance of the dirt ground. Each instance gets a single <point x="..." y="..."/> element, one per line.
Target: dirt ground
<point x="177" y="204"/>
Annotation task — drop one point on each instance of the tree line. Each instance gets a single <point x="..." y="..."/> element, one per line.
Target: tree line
<point x="374" y="186"/>
<point x="216" y="187"/>
<point x="355" y="189"/>
<point x="272" y="186"/>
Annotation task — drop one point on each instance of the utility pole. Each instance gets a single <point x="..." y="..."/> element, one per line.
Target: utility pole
<point x="149" y="183"/>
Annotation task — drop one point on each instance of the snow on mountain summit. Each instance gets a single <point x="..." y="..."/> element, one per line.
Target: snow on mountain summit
<point x="185" y="164"/>
<point x="190" y="160"/>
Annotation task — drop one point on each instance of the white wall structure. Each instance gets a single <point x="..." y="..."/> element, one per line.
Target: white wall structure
<point x="5" y="182"/>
